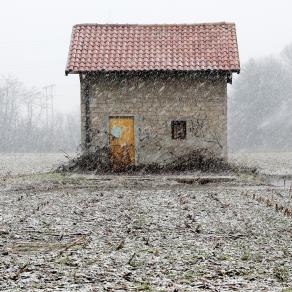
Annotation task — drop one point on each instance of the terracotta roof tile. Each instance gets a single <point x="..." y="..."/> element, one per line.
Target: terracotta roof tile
<point x="125" y="47"/>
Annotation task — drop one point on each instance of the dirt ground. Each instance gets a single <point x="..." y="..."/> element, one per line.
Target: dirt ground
<point x="143" y="233"/>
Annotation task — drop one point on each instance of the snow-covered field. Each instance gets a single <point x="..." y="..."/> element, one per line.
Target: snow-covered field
<point x="24" y="163"/>
<point x="141" y="233"/>
<point x="267" y="163"/>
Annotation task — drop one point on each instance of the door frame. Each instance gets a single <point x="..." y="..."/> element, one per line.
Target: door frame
<point x="136" y="119"/>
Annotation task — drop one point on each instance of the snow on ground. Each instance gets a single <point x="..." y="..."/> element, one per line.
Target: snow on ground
<point x="142" y="233"/>
<point x="119" y="233"/>
<point x="268" y="163"/>
<point x="24" y="163"/>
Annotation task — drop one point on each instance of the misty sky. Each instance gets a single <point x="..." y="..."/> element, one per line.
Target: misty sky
<point x="35" y="34"/>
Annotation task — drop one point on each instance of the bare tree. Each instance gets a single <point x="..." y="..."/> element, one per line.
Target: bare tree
<point x="287" y="55"/>
<point x="260" y="105"/>
<point x="24" y="122"/>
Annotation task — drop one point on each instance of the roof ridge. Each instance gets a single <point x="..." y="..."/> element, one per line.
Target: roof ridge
<point x="154" y="24"/>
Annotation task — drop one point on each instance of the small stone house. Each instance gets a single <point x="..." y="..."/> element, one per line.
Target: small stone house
<point x="152" y="93"/>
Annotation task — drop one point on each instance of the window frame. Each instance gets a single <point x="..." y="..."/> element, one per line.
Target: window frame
<point x="179" y="133"/>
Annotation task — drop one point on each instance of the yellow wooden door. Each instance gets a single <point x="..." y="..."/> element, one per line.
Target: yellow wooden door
<point x="121" y="141"/>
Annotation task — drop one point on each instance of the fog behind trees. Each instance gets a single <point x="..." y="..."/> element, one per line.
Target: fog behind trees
<point x="260" y="105"/>
<point x="259" y="112"/>
<point x="29" y="123"/>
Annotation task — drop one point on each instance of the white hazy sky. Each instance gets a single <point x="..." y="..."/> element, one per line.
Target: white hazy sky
<point x="35" y="34"/>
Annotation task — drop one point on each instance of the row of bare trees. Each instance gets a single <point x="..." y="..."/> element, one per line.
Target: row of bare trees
<point x="28" y="125"/>
<point x="260" y="105"/>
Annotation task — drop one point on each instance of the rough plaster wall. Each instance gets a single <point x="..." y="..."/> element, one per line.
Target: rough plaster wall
<point x="84" y="113"/>
<point x="155" y="100"/>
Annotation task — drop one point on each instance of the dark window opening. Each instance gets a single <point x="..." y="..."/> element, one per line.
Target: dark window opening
<point x="179" y="130"/>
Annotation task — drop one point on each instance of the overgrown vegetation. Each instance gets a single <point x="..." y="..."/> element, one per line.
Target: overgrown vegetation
<point x="197" y="160"/>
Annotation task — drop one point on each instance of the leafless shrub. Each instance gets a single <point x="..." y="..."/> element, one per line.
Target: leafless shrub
<point x="199" y="159"/>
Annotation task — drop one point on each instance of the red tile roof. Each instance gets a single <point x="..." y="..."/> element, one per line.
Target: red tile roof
<point x="127" y="47"/>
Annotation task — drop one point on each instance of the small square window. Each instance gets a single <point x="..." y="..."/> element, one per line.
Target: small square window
<point x="179" y="130"/>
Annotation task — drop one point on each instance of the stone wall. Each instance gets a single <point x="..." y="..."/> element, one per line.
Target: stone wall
<point x="156" y="99"/>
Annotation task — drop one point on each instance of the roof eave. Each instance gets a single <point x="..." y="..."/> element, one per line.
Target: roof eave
<point x="69" y="71"/>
